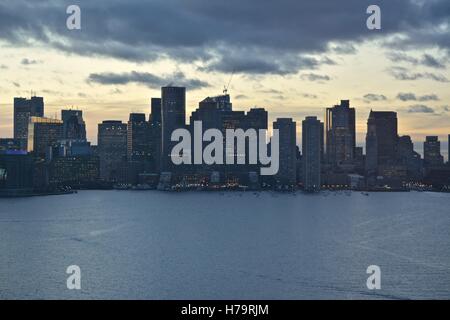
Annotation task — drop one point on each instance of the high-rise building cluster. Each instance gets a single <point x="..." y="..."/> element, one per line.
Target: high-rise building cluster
<point x="52" y="155"/>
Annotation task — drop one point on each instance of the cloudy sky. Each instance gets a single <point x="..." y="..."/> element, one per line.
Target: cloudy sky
<point x="293" y="57"/>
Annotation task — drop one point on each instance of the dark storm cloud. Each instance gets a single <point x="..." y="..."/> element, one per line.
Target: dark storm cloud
<point x="426" y="60"/>
<point x="346" y="48"/>
<point x="412" y="97"/>
<point x="281" y="32"/>
<point x="432" y="62"/>
<point x="401" y="57"/>
<point x="145" y="78"/>
<point x="315" y="77"/>
<point x="375" y="97"/>
<point x="27" y="62"/>
<point x="254" y="61"/>
<point x="420" y="108"/>
<point x="405" y="74"/>
<point x="407" y="97"/>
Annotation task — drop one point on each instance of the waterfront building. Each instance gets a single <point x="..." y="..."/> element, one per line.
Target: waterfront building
<point x="432" y="152"/>
<point x="173" y="116"/>
<point x="340" y="134"/>
<point x="16" y="173"/>
<point x="74" y="127"/>
<point x="155" y="134"/>
<point x="287" y="173"/>
<point x="112" y="149"/>
<point x="381" y="141"/>
<point x="43" y="133"/>
<point x="312" y="134"/>
<point x="24" y="109"/>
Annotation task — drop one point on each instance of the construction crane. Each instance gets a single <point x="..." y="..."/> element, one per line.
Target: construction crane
<point x="225" y="89"/>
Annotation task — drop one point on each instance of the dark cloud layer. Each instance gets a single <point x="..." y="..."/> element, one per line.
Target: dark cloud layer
<point x="412" y="97"/>
<point x="252" y="36"/>
<point x="147" y="79"/>
<point x="405" y="74"/>
<point x="420" y="108"/>
<point x="27" y="62"/>
<point x="315" y="77"/>
<point x="426" y="60"/>
<point x="375" y="97"/>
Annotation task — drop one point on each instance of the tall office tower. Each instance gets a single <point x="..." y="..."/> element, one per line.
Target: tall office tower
<point x="43" y="133"/>
<point x="23" y="110"/>
<point x="112" y="149"/>
<point x="287" y="173"/>
<point x="74" y="126"/>
<point x="311" y="145"/>
<point x="448" y="150"/>
<point x="219" y="103"/>
<point x="322" y="142"/>
<point x="257" y="118"/>
<point x="216" y="113"/>
<point x="213" y="111"/>
<point x="138" y="144"/>
<point x="409" y="158"/>
<point x="381" y="140"/>
<point x="155" y="133"/>
<point x="155" y="106"/>
<point x="432" y="152"/>
<point x="173" y="105"/>
<point x="340" y="133"/>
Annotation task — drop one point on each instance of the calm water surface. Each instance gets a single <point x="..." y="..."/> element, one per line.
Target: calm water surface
<point x="153" y="245"/>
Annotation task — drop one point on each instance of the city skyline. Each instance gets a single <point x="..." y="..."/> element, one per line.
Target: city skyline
<point x="224" y="150"/>
<point x="118" y="60"/>
<point x="360" y="135"/>
<point x="140" y="152"/>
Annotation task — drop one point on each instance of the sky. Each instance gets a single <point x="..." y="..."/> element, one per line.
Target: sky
<point x="293" y="57"/>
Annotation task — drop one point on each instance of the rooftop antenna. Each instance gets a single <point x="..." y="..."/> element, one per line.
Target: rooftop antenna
<point x="225" y="89"/>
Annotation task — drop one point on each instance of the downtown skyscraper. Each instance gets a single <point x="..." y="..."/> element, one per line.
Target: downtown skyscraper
<point x="138" y="138"/>
<point x="432" y="152"/>
<point x="287" y="173"/>
<point x="381" y="141"/>
<point x="155" y="123"/>
<point x="112" y="149"/>
<point x="173" y="116"/>
<point x="24" y="109"/>
<point x="43" y="133"/>
<point x="74" y="127"/>
<point x="312" y="135"/>
<point x="340" y="134"/>
<point x="217" y="113"/>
